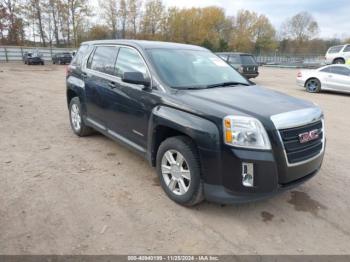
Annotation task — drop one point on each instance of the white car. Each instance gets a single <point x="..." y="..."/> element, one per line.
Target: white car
<point x="338" y="54"/>
<point x="332" y="77"/>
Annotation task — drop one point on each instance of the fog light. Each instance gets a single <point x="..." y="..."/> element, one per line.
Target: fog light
<point x="248" y="174"/>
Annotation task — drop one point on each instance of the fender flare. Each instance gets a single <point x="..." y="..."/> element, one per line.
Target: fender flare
<point x="203" y="132"/>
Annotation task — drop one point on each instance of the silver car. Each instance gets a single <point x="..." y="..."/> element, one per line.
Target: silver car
<point x="332" y="77"/>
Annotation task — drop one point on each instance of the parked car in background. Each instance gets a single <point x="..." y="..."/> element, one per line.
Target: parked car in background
<point x="331" y="77"/>
<point x="209" y="132"/>
<point x="62" y="58"/>
<point x="34" y="58"/>
<point x="338" y="54"/>
<point x="242" y="62"/>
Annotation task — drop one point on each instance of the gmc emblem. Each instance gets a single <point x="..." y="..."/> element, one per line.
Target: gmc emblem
<point x="309" y="136"/>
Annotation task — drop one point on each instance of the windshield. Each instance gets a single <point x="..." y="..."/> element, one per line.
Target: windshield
<point x="183" y="69"/>
<point x="248" y="60"/>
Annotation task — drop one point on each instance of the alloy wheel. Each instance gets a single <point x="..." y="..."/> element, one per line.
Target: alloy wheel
<point x="176" y="172"/>
<point x="75" y="117"/>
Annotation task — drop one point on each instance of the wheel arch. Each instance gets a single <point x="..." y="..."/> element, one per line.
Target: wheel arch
<point x="310" y="78"/>
<point x="338" y="58"/>
<point x="166" y="122"/>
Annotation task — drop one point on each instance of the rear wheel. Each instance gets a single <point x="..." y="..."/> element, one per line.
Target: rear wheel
<point x="313" y="85"/>
<point x="76" y="119"/>
<point x="339" y="61"/>
<point x="178" y="169"/>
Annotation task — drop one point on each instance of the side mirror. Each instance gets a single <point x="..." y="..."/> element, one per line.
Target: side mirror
<point x="135" y="78"/>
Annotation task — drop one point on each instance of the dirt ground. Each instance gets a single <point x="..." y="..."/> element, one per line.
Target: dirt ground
<point x="60" y="194"/>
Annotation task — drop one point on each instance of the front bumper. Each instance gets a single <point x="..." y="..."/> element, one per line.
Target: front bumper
<point x="271" y="176"/>
<point x="250" y="75"/>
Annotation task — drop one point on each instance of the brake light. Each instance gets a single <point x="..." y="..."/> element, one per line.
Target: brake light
<point x="299" y="74"/>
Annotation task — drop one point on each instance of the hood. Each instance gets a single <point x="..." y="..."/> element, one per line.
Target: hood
<point x="254" y="101"/>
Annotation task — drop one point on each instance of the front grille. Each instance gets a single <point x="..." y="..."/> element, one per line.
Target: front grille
<point x="297" y="151"/>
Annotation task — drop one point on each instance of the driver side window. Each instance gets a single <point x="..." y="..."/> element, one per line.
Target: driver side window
<point x="129" y="60"/>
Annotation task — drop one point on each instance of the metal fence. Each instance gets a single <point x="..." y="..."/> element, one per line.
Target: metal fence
<point x="15" y="53"/>
<point x="291" y="60"/>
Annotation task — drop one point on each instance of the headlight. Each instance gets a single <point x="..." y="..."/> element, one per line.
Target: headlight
<point x="248" y="132"/>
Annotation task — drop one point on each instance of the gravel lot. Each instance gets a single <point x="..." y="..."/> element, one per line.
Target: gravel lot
<point x="60" y="194"/>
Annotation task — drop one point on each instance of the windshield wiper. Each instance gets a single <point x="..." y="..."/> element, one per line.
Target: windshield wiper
<point x="223" y="84"/>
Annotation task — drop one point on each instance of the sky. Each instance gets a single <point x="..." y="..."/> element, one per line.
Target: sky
<point x="333" y="16"/>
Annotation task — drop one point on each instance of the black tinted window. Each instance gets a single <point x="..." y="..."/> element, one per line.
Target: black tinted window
<point x="234" y="59"/>
<point x="129" y="60"/>
<point x="347" y="48"/>
<point x="103" y="59"/>
<point x="339" y="70"/>
<point x="248" y="60"/>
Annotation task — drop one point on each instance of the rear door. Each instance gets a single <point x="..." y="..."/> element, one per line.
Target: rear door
<point x="99" y="76"/>
<point x="339" y="78"/>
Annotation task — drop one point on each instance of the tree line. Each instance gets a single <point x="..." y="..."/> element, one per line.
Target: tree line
<point x="67" y="23"/>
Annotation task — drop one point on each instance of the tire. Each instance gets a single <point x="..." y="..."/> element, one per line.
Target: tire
<point x="313" y="85"/>
<point x="42" y="63"/>
<point x="339" y="61"/>
<point x="181" y="180"/>
<point x="79" y="129"/>
<point x="53" y="62"/>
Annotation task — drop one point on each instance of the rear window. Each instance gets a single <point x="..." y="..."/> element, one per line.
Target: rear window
<point x="335" y="49"/>
<point x="248" y="60"/>
<point x="103" y="59"/>
<point x="347" y="48"/>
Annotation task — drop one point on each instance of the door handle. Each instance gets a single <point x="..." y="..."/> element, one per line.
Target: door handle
<point x="112" y="85"/>
<point x="84" y="74"/>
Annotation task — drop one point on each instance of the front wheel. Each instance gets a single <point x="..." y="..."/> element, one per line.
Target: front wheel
<point x="339" y="61"/>
<point x="313" y="85"/>
<point x="76" y="118"/>
<point x="178" y="169"/>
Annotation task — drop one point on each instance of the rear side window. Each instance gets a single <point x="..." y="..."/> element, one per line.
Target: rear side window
<point x="248" y="60"/>
<point x="339" y="70"/>
<point x="78" y="58"/>
<point x="347" y="48"/>
<point x="326" y="70"/>
<point x="129" y="60"/>
<point x="103" y="59"/>
<point x="335" y="49"/>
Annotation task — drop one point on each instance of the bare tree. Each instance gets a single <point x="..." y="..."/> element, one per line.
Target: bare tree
<point x="134" y="7"/>
<point x="152" y="17"/>
<point x="123" y="16"/>
<point x="110" y="13"/>
<point x="301" y="27"/>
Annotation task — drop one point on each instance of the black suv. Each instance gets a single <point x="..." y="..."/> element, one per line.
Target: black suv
<point x="61" y="58"/>
<point x="33" y="58"/>
<point x="244" y="63"/>
<point x="209" y="133"/>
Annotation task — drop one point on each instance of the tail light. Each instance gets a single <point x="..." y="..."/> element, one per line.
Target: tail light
<point x="299" y="74"/>
<point x="67" y="70"/>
